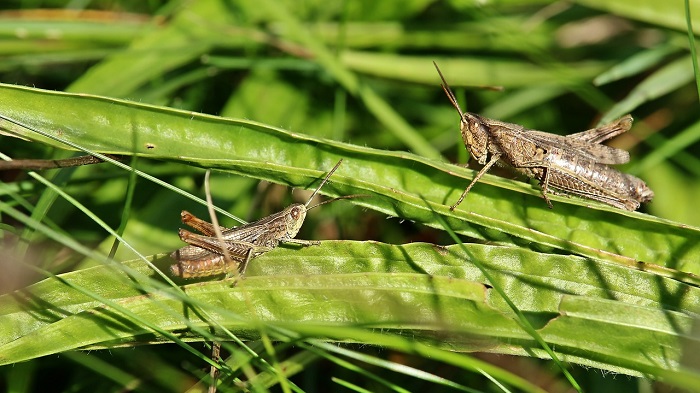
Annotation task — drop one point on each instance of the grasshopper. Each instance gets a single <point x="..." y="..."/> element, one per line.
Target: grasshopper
<point x="575" y="164"/>
<point x="207" y="255"/>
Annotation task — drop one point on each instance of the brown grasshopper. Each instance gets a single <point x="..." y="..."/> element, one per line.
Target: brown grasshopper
<point x="205" y="254"/>
<point x="574" y="164"/>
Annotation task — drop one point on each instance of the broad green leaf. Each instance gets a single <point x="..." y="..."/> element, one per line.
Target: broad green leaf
<point x="650" y="340"/>
<point x="401" y="183"/>
<point x="380" y="285"/>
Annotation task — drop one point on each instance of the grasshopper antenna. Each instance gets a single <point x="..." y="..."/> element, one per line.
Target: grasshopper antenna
<point x="450" y="94"/>
<point x="323" y="182"/>
<point x="339" y="198"/>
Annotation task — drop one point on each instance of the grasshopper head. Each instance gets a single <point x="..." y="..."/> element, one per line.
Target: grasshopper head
<point x="474" y="130"/>
<point x="295" y="214"/>
<point x="294" y="217"/>
<point x="475" y="136"/>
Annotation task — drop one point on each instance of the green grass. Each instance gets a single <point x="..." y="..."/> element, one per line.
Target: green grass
<point x="279" y="91"/>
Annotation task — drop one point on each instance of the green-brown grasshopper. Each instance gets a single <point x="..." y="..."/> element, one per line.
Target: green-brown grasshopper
<point x="207" y="255"/>
<point x="575" y="164"/>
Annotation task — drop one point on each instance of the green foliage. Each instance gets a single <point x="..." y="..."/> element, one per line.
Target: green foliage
<point x="301" y="86"/>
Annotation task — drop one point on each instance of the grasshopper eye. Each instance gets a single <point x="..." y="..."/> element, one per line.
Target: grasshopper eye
<point x="295" y="213"/>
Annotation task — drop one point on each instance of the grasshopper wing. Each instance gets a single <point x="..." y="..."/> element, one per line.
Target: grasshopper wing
<point x="591" y="151"/>
<point x="603" y="133"/>
<point x="587" y="143"/>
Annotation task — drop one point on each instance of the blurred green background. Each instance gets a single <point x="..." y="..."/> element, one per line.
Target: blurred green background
<point x="356" y="71"/>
